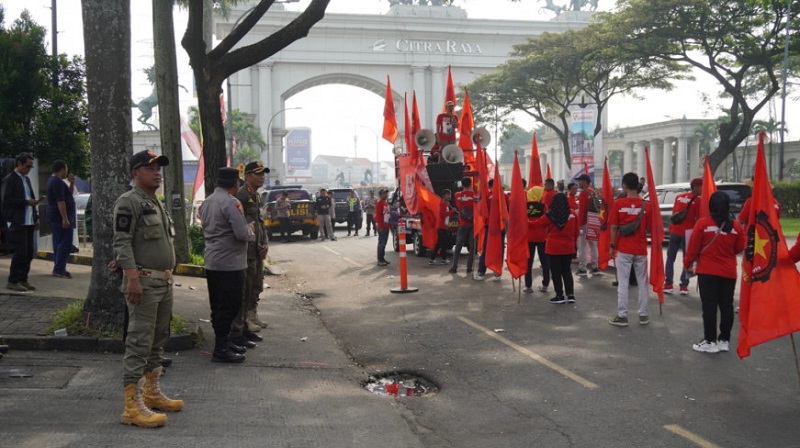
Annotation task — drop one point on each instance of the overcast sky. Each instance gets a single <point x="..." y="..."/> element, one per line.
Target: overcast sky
<point x="357" y="109"/>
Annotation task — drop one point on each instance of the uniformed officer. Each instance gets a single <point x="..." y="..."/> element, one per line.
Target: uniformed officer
<point x="143" y="233"/>
<point x="226" y="235"/>
<point x="247" y="321"/>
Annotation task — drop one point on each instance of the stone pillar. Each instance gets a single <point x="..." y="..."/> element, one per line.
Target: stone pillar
<point x="436" y="97"/>
<point x="657" y="148"/>
<point x="418" y="75"/>
<point x="243" y="90"/>
<point x="640" y="164"/>
<point x="694" y="160"/>
<point x="667" y="162"/>
<point x="683" y="147"/>
<point x="265" y="108"/>
<point x="627" y="158"/>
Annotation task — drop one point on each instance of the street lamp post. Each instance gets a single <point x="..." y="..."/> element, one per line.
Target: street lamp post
<point x="377" y="174"/>
<point x="269" y="131"/>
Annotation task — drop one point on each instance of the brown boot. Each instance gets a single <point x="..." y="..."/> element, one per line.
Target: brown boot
<point x="250" y="321"/>
<point x="136" y="413"/>
<point x="154" y="398"/>
<point x="256" y="320"/>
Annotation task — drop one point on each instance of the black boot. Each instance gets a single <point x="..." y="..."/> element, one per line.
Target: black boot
<point x="222" y="353"/>
<point x="236" y="348"/>
<point x="242" y="341"/>
<point x="254" y="337"/>
<point x="3" y="349"/>
<point x="166" y="362"/>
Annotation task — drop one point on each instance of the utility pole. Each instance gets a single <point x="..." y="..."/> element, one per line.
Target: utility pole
<point x="54" y="20"/>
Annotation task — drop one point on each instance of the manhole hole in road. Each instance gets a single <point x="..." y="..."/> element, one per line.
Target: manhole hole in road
<point x="310" y="295"/>
<point x="400" y="384"/>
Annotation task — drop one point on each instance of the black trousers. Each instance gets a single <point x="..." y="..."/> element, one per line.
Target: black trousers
<point x="716" y="292"/>
<point x="21" y="237"/>
<point x="561" y="270"/>
<point x="352" y="221"/>
<point x="371" y="223"/>
<point x="544" y="260"/>
<point x="285" y="233"/>
<point x="442" y="236"/>
<point x="225" y="292"/>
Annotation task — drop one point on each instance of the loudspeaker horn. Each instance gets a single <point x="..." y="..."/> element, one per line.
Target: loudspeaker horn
<point x="453" y="154"/>
<point x="481" y="135"/>
<point x="424" y="139"/>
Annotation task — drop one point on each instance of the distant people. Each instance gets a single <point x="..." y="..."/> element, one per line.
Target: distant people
<point x="629" y="223"/>
<point x="369" y="210"/>
<point x="383" y="220"/>
<point x="446" y="213"/>
<point x="642" y="181"/>
<point x="446" y="126"/>
<point x="465" y="205"/>
<point x="560" y="186"/>
<point x="685" y="212"/>
<point x="744" y="214"/>
<point x="572" y="196"/>
<point x="19" y="211"/>
<point x="549" y="192"/>
<point x="144" y="250"/>
<point x="587" y="249"/>
<point x="283" y="207"/>
<point x="226" y="234"/>
<point x="715" y="242"/>
<point x="324" y="206"/>
<point x="61" y="217"/>
<point x="537" y="236"/>
<point x="353" y="210"/>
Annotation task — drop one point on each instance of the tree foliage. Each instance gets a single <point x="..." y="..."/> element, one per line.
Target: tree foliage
<point x="514" y="138"/>
<point x="249" y="141"/>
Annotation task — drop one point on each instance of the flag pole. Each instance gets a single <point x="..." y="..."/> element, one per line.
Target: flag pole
<point x="796" y="362"/>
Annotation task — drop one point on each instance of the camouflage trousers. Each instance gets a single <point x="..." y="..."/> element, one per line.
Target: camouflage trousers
<point x="253" y="285"/>
<point x="148" y="329"/>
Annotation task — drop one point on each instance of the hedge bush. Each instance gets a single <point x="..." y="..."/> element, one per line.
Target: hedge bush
<point x="788" y="195"/>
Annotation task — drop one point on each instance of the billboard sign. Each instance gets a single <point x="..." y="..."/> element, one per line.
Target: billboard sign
<point x="298" y="149"/>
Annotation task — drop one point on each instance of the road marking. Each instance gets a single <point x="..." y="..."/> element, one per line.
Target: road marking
<point x="692" y="437"/>
<point x="536" y="357"/>
<point x="343" y="258"/>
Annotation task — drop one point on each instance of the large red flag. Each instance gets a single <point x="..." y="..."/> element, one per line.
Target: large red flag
<point x="709" y="188"/>
<point x="407" y="133"/>
<point x="549" y="173"/>
<point x="604" y="243"/>
<point x="768" y="302"/>
<point x="415" y="127"/>
<point x="494" y="245"/>
<point x="465" y="124"/>
<point x="535" y="170"/>
<point x="656" y="234"/>
<point x="390" y="131"/>
<point x="517" y="253"/>
<point x="428" y="204"/>
<point x="481" y="212"/>
<point x="450" y="91"/>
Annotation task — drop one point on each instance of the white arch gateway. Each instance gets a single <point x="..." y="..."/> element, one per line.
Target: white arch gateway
<point x="412" y="44"/>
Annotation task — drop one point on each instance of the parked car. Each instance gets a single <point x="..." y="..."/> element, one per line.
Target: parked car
<point x="738" y="193"/>
<point x="340" y="196"/>
<point x="301" y="215"/>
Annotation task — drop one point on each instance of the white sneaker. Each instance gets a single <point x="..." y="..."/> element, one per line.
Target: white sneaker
<point x="496" y="278"/>
<point x="479" y="277"/>
<point x="528" y="290"/>
<point x="705" y="347"/>
<point x="543" y="288"/>
<point x="723" y="346"/>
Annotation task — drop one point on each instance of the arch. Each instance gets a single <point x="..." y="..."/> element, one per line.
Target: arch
<point x="350" y="79"/>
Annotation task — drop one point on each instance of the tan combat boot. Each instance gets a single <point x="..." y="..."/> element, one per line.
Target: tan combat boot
<point x="154" y="398"/>
<point x="250" y="321"/>
<point x="256" y="320"/>
<point x="136" y="413"/>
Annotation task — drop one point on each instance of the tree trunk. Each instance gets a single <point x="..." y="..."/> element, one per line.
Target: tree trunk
<point x="169" y="121"/>
<point x="214" y="150"/>
<point x="107" y="40"/>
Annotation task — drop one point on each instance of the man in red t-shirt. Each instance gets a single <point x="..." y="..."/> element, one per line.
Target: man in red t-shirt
<point x="587" y="201"/>
<point x="689" y="201"/>
<point x="465" y="204"/>
<point x="549" y="192"/>
<point x="630" y="249"/>
<point x="446" y="125"/>
<point x="382" y="220"/>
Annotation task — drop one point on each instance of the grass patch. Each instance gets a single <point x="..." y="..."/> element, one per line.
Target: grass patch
<point x="197" y="260"/>
<point x="71" y="318"/>
<point x="790" y="226"/>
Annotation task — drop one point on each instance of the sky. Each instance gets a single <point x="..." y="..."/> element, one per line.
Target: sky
<point x="359" y="111"/>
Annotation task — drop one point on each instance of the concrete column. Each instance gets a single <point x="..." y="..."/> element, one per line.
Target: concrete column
<point x="438" y="84"/>
<point x="265" y="107"/>
<point x="243" y="90"/>
<point x="667" y="162"/>
<point x="627" y="158"/>
<point x="657" y="148"/>
<point x="683" y="147"/>
<point x="418" y="75"/>
<point x="694" y="160"/>
<point x="640" y="164"/>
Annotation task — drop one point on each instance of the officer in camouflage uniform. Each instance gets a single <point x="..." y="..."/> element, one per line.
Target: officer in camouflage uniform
<point x="143" y="233"/>
<point x="247" y="322"/>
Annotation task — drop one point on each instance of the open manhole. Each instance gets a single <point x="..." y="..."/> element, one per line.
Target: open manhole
<point x="400" y="384"/>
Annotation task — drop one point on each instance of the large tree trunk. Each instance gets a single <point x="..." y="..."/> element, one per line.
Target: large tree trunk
<point x="169" y="120"/>
<point x="107" y="40"/>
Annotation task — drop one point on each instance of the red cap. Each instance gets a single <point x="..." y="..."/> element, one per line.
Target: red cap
<point x="697" y="182"/>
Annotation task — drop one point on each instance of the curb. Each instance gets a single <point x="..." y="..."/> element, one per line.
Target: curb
<point x="188" y="270"/>
<point x="87" y="344"/>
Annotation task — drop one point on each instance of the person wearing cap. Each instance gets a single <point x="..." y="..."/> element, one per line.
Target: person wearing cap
<point x="227" y="235"/>
<point x="383" y="221"/>
<point x="324" y="207"/>
<point x="283" y="207"/>
<point x="143" y="248"/>
<point x="587" y="202"/>
<point x="680" y="223"/>
<point x="446" y="125"/>
<point x="19" y="211"/>
<point x="369" y="204"/>
<point x="247" y="322"/>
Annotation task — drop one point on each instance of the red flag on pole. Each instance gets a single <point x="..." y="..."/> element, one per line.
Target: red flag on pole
<point x="465" y="124"/>
<point x="656" y="234"/>
<point x="407" y="134"/>
<point x="450" y="91"/>
<point x="517" y="253"/>
<point x="390" y="131"/>
<point x="494" y="245"/>
<point x="604" y="243"/>
<point x="549" y="173"/>
<point x="768" y="301"/>
<point x="415" y="127"/>
<point x="535" y="170"/>
<point x="481" y="212"/>
<point x="586" y="168"/>
<point x="429" y="204"/>
<point x="709" y="188"/>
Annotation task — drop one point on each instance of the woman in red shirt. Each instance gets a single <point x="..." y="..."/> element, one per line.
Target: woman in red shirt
<point x="714" y="244"/>
<point x="537" y="235"/>
<point x="561" y="225"/>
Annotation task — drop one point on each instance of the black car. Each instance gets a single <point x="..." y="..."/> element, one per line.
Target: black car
<point x="737" y="192"/>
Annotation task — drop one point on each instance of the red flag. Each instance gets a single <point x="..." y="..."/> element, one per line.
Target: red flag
<point x="450" y="91"/>
<point x="517" y="254"/>
<point x="586" y="168"/>
<point x="535" y="171"/>
<point x="390" y="131"/>
<point x="199" y="178"/>
<point x="415" y="127"/>
<point x="428" y="204"/>
<point x="709" y="188"/>
<point x="604" y="243"/>
<point x="407" y="133"/>
<point x="494" y="246"/>
<point x="549" y="173"/>
<point x="768" y="301"/>
<point x="481" y="212"/>
<point x="656" y="234"/>
<point x="222" y="108"/>
<point x="465" y="125"/>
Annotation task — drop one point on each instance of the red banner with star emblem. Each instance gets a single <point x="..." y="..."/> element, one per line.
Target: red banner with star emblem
<point x="768" y="305"/>
<point x="604" y="243"/>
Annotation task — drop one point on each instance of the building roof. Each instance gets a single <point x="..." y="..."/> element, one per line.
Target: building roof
<point x="344" y="161"/>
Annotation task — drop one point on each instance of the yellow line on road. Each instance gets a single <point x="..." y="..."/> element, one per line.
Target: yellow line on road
<point x="694" y="438"/>
<point x="343" y="258"/>
<point x="536" y="357"/>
